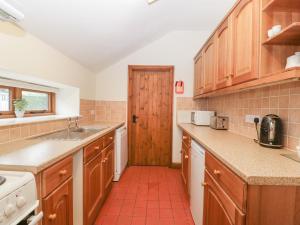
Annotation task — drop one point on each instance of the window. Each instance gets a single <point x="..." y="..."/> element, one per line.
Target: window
<point x="39" y="102"/>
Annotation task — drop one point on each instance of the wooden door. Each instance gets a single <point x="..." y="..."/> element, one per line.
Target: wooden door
<point x="219" y="209"/>
<point x="224" y="70"/>
<point x="198" y="75"/>
<point x="246" y="41"/>
<point x="93" y="191"/>
<point x="209" y="61"/>
<point x="58" y="206"/>
<point x="109" y="165"/>
<point x="150" y="107"/>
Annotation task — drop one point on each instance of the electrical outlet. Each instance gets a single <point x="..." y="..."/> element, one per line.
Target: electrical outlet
<point x="250" y="118"/>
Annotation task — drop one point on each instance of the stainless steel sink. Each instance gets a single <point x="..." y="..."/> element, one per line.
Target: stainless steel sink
<point x="73" y="134"/>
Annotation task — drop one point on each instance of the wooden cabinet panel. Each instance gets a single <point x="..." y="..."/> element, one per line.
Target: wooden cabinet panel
<point x="93" y="190"/>
<point x="92" y="149"/>
<point x="246" y="41"/>
<point x="185" y="165"/>
<point x="55" y="175"/>
<point x="233" y="185"/>
<point x="58" y="206"/>
<point x="109" y="165"/>
<point x="209" y="65"/>
<point x="186" y="139"/>
<point x="224" y="70"/>
<point x="108" y="139"/>
<point x="199" y="75"/>
<point x="218" y="207"/>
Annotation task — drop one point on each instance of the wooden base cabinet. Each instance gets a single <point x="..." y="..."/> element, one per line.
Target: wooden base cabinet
<point x="98" y="175"/>
<point x="58" y="206"/>
<point x="185" y="161"/>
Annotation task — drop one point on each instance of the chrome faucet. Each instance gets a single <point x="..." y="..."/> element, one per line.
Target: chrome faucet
<point x="76" y="121"/>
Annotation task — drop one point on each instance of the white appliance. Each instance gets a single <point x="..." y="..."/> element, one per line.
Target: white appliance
<point x="183" y="116"/>
<point x="9" y="13"/>
<point x="18" y="199"/>
<point x="201" y="118"/>
<point x="197" y="178"/>
<point x="121" y="152"/>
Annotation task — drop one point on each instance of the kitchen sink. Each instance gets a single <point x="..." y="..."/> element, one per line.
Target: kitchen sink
<point x="72" y="134"/>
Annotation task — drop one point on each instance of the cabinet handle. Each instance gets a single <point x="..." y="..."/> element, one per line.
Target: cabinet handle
<point x="52" y="216"/>
<point x="186" y="156"/>
<point x="97" y="148"/>
<point x="203" y="184"/>
<point x="110" y="138"/>
<point x="184" y="137"/>
<point x="106" y="158"/>
<point x="103" y="161"/>
<point x="217" y="172"/>
<point x="63" y="172"/>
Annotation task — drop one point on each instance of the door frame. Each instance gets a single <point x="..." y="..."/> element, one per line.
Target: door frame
<point x="131" y="69"/>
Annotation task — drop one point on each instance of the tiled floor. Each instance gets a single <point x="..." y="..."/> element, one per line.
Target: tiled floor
<point x="147" y="196"/>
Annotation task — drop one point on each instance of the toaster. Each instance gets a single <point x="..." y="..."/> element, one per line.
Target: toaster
<point x="219" y="122"/>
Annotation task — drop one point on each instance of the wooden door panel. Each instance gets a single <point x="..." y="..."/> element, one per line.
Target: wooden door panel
<point x="150" y="98"/>
<point x="209" y="66"/>
<point x="245" y="31"/>
<point x="58" y="206"/>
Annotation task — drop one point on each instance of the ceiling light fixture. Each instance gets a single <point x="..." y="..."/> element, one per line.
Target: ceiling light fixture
<point x="151" y="1"/>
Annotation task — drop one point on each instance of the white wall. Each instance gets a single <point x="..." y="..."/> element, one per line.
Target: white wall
<point x="22" y="53"/>
<point x="176" y="48"/>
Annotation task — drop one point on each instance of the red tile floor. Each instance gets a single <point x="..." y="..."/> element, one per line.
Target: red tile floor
<point x="147" y="196"/>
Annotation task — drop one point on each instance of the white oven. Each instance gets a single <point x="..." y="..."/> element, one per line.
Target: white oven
<point x="18" y="199"/>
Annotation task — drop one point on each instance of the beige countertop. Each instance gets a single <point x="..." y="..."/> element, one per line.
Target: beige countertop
<point x="254" y="164"/>
<point x="34" y="155"/>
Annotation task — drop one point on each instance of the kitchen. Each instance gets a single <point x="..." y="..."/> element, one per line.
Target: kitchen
<point x="189" y="119"/>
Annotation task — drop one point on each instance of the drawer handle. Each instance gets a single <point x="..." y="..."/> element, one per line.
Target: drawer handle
<point x="203" y="184"/>
<point x="103" y="161"/>
<point x="186" y="156"/>
<point x="97" y="148"/>
<point x="63" y="172"/>
<point x="217" y="172"/>
<point x="110" y="138"/>
<point x="184" y="137"/>
<point x="52" y="216"/>
<point x="106" y="158"/>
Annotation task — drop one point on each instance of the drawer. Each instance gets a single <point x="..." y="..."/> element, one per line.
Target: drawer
<point x="186" y="139"/>
<point x="232" y="184"/>
<point x="108" y="139"/>
<point x="91" y="150"/>
<point x="55" y="175"/>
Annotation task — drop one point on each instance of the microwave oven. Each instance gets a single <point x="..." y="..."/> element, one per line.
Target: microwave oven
<point x="201" y="118"/>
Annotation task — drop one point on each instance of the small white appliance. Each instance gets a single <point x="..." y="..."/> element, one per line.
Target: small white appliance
<point x="9" y="13"/>
<point x="121" y="152"/>
<point x="201" y="118"/>
<point x="293" y="61"/>
<point x="197" y="177"/>
<point x="18" y="199"/>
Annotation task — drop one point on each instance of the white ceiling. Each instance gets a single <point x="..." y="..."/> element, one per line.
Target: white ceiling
<point x="96" y="33"/>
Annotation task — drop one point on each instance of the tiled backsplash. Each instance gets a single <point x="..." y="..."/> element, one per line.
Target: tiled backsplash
<point x="91" y="111"/>
<point x="283" y="100"/>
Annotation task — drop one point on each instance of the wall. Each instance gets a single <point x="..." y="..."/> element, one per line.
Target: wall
<point x="176" y="48"/>
<point x="25" y="54"/>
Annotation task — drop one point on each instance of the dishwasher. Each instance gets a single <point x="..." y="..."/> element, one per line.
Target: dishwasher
<point x="121" y="152"/>
<point x="197" y="178"/>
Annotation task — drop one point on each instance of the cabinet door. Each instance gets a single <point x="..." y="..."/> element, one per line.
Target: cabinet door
<point x="198" y="75"/>
<point x="246" y="41"/>
<point x="58" y="206"/>
<point x="218" y="207"/>
<point x="224" y="70"/>
<point x="109" y="166"/>
<point x="209" y="66"/>
<point x="185" y="166"/>
<point x="93" y="191"/>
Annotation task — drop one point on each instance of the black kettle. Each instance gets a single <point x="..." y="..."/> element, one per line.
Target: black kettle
<point x="271" y="132"/>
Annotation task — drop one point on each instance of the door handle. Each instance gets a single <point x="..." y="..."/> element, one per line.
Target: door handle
<point x="134" y="118"/>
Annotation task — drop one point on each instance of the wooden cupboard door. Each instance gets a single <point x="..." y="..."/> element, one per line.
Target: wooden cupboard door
<point x="224" y="70"/>
<point x="185" y="166"/>
<point x="109" y="166"/>
<point x="58" y="206"/>
<point x="209" y="66"/>
<point x="218" y="207"/>
<point x="150" y="110"/>
<point x="246" y="41"/>
<point x="93" y="191"/>
<point x="198" y="75"/>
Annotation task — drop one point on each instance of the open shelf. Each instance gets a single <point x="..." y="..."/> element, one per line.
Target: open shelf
<point x="282" y="5"/>
<point x="288" y="36"/>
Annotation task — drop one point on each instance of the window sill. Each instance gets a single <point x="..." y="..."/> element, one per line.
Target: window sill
<point x="36" y="119"/>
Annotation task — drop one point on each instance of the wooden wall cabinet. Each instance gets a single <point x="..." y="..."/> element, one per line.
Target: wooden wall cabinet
<point x="209" y="55"/>
<point x="199" y="75"/>
<point x="98" y="175"/>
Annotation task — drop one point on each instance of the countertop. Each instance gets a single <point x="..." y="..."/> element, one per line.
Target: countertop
<point x="254" y="164"/>
<point x="34" y="155"/>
